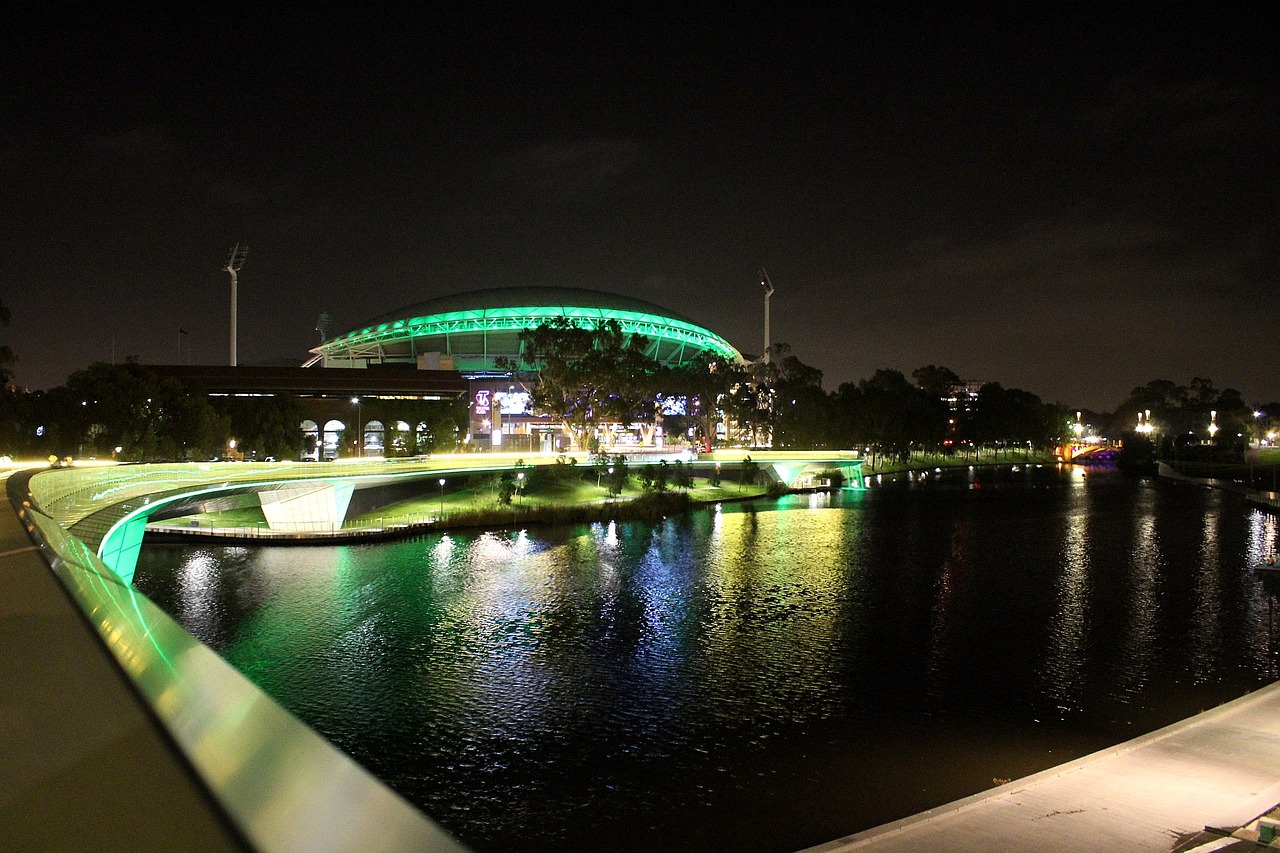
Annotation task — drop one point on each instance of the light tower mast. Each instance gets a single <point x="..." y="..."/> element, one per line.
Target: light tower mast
<point x="768" y="291"/>
<point x="235" y="261"/>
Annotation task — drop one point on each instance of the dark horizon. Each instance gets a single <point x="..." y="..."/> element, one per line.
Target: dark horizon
<point x="1070" y="204"/>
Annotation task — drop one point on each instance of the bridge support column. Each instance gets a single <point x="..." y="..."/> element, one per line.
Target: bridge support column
<point x="307" y="507"/>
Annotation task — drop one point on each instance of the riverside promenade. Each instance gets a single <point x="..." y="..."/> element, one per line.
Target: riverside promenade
<point x="1209" y="782"/>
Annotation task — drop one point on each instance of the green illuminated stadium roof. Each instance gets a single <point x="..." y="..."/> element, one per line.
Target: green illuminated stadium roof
<point x="673" y="336"/>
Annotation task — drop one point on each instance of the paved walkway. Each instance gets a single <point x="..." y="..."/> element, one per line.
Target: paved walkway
<point x="1188" y="786"/>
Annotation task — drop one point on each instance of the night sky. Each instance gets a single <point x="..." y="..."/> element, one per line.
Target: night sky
<point x="1069" y="204"/>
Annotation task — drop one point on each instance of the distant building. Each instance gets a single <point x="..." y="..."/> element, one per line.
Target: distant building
<point x="962" y="398"/>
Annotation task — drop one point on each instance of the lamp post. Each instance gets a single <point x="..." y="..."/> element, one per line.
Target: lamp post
<point x="359" y="427"/>
<point x="519" y="485"/>
<point x="442" y="497"/>
<point x="768" y="291"/>
<point x="235" y="261"/>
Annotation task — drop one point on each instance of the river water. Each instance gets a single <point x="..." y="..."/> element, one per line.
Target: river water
<point x="758" y="677"/>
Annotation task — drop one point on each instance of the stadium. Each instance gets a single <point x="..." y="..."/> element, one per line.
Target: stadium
<point x="469" y="332"/>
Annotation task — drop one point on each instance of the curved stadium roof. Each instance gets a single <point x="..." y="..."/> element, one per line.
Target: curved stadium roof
<point x="478" y="326"/>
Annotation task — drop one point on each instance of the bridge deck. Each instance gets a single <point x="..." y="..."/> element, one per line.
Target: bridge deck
<point x="86" y="765"/>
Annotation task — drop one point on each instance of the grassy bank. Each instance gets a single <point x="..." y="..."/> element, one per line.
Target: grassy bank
<point x="561" y="501"/>
<point x="474" y="503"/>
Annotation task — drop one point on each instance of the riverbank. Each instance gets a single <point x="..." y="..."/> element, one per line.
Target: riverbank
<point x="921" y="461"/>
<point x="546" y="496"/>
<point x="1267" y="500"/>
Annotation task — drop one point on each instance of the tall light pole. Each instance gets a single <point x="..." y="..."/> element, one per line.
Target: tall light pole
<point x="442" y="497"/>
<point x="359" y="428"/>
<point x="235" y="261"/>
<point x="768" y="291"/>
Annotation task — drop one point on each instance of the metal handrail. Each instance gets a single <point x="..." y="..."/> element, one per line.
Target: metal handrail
<point x="282" y="785"/>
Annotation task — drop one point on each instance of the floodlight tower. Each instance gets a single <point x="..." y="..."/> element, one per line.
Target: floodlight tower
<point x="768" y="291"/>
<point x="235" y="261"/>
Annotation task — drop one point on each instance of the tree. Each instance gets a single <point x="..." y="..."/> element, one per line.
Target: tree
<point x="935" y="381"/>
<point x="803" y="412"/>
<point x="704" y="381"/>
<point x="586" y="375"/>
<point x="749" y="472"/>
<point x="506" y="488"/>
<point x="937" y="385"/>
<point x="268" y="426"/>
<point x="660" y="477"/>
<point x="877" y="412"/>
<point x="106" y="406"/>
<point x="617" y="474"/>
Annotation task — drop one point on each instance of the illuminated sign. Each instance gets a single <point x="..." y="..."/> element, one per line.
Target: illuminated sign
<point x="513" y="402"/>
<point x="673" y="406"/>
<point x="482" y="402"/>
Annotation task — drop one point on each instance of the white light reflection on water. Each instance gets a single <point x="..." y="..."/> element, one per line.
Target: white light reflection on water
<point x="195" y="576"/>
<point x="1261" y="607"/>
<point x="1206" y="627"/>
<point x="1144" y="566"/>
<point x="954" y="566"/>
<point x="1066" y="657"/>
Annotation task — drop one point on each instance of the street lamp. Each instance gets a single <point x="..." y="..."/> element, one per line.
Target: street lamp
<point x="768" y="292"/>
<point x="359" y="427"/>
<point x="442" y="497"/>
<point x="519" y="484"/>
<point x="1213" y="424"/>
<point x="235" y="261"/>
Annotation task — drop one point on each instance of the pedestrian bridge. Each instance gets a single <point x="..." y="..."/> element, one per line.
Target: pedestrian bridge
<point x="108" y="508"/>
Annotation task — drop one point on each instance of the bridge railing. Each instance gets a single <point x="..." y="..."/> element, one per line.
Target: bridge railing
<point x="280" y="784"/>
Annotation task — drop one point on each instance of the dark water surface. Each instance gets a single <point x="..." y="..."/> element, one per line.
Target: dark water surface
<point x="751" y="678"/>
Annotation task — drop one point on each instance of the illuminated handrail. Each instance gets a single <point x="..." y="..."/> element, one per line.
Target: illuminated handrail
<point x="282" y="785"/>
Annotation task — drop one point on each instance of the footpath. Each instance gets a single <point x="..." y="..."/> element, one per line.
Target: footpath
<point x="1210" y="782"/>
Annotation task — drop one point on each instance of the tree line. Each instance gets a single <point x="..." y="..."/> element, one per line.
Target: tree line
<point x="588" y="376"/>
<point x="132" y="413"/>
